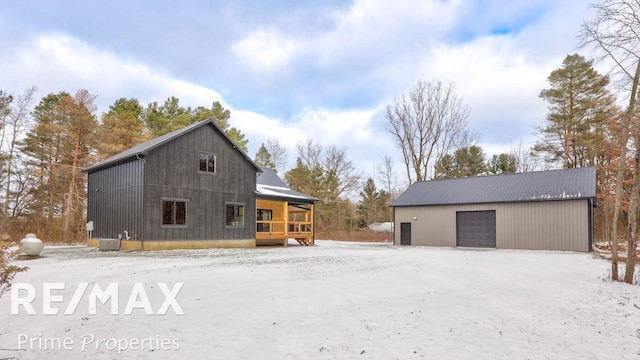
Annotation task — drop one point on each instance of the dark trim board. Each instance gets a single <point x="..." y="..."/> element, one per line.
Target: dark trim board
<point x="590" y="205"/>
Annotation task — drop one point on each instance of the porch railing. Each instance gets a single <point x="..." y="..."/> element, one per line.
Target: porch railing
<point x="278" y="228"/>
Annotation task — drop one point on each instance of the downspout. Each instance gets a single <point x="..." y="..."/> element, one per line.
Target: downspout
<point x="394" y="225"/>
<point x="140" y="158"/>
<point x="591" y="204"/>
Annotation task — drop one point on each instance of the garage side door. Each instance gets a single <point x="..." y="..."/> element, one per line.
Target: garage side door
<point x="405" y="233"/>
<point x="476" y="228"/>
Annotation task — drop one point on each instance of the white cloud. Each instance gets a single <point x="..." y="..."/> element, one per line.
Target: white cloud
<point x="259" y="128"/>
<point x="340" y="73"/>
<point x="379" y="39"/>
<point x="63" y="63"/>
<point x="333" y="126"/>
<point x="326" y="127"/>
<point x="353" y="130"/>
<point x="265" y="51"/>
<point x="498" y="82"/>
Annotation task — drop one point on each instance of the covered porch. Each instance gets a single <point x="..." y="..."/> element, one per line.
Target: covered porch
<point x="282" y="213"/>
<point x="279" y="221"/>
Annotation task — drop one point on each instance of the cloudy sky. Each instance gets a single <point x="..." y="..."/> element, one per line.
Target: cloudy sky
<point x="320" y="69"/>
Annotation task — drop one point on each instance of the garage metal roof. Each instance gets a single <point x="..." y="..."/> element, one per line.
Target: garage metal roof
<point x="269" y="185"/>
<point x="567" y="184"/>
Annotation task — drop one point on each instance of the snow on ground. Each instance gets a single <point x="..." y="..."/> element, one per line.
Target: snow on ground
<point x="337" y="300"/>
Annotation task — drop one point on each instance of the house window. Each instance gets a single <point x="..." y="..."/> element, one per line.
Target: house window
<point x="174" y="212"/>
<point x="207" y="162"/>
<point x="234" y="214"/>
<point x="264" y="215"/>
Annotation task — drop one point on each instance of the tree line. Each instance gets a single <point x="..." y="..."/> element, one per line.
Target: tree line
<point x="44" y="147"/>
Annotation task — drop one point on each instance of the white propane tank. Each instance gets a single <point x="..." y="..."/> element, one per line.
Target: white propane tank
<point x="31" y="245"/>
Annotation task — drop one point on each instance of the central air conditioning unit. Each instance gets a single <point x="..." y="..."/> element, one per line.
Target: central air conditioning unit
<point x="109" y="245"/>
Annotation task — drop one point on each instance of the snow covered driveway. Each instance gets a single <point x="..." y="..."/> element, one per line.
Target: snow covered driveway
<point x="334" y="301"/>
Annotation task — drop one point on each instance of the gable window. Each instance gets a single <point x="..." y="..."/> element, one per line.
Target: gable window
<point x="207" y="162"/>
<point x="234" y="214"/>
<point x="174" y="212"/>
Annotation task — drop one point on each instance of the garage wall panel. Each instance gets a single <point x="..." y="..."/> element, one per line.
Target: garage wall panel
<point x="544" y="225"/>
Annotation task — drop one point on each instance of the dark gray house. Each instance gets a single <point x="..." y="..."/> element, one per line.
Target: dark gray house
<point x="192" y="188"/>
<point x="546" y="210"/>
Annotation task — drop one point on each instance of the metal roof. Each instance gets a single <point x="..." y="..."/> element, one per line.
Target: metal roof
<point x="270" y="185"/>
<point x="567" y="184"/>
<point x="141" y="149"/>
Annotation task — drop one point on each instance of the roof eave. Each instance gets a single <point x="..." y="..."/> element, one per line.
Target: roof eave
<point x="153" y="145"/>
<point x="101" y="166"/>
<point x="498" y="202"/>
<point x="288" y="198"/>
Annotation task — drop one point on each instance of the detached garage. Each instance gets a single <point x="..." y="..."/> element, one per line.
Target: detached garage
<point x="546" y="210"/>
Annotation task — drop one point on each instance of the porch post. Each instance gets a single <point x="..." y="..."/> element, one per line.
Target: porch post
<point x="286" y="223"/>
<point x="313" y="224"/>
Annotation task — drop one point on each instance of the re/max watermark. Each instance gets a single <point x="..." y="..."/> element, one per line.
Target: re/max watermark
<point x="90" y="342"/>
<point x="54" y="301"/>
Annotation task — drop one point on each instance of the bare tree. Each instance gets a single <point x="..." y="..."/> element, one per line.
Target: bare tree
<point x="614" y="33"/>
<point x="385" y="174"/>
<point x="5" y="112"/>
<point x="15" y="121"/>
<point x="23" y="182"/>
<point x="279" y="155"/>
<point x="527" y="161"/>
<point x="335" y="162"/>
<point x="327" y="174"/>
<point x="78" y="113"/>
<point x="427" y="123"/>
<point x="633" y="228"/>
<point x="310" y="153"/>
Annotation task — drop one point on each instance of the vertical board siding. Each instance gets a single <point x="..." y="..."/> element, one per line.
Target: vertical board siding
<point x="172" y="171"/>
<point x="114" y="200"/>
<point x="544" y="225"/>
<point x="553" y="225"/>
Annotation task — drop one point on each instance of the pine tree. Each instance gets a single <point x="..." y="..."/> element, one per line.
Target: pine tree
<point x="579" y="104"/>
<point x="80" y="126"/>
<point x="121" y="128"/>
<point x="305" y="180"/>
<point x="263" y="158"/>
<point x="369" y="204"/>
<point x="238" y="138"/>
<point x="170" y="116"/>
<point x="466" y="161"/>
<point x="44" y="146"/>
<point x="503" y="164"/>
<point x="58" y="145"/>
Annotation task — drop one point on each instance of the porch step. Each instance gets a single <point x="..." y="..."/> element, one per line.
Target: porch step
<point x="304" y="241"/>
